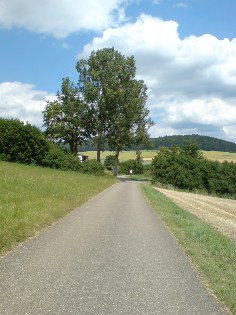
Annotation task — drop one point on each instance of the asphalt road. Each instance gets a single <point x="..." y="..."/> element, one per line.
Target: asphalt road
<point x="111" y="256"/>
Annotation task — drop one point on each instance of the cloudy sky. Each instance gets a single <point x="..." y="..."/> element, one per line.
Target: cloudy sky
<point x="185" y="52"/>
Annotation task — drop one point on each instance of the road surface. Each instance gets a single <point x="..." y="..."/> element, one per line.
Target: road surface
<point x="111" y="256"/>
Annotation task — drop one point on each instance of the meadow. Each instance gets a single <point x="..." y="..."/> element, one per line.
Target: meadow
<point x="32" y="198"/>
<point x="148" y="155"/>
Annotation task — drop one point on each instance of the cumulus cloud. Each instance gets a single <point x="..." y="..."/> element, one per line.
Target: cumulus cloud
<point x="181" y="5"/>
<point x="61" y="18"/>
<point x="191" y="81"/>
<point x="22" y="101"/>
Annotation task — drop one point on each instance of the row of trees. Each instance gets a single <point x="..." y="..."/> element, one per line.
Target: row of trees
<point x="185" y="168"/>
<point x="204" y="142"/>
<point x="26" y="144"/>
<point x="107" y="105"/>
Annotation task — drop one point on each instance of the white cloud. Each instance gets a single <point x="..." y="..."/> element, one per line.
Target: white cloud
<point x="181" y="5"/>
<point x="230" y="132"/>
<point x="191" y="81"/>
<point x="61" y="18"/>
<point x="22" y="101"/>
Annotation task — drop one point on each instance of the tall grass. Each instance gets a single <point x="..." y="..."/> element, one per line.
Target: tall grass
<point x="213" y="254"/>
<point x="32" y="198"/>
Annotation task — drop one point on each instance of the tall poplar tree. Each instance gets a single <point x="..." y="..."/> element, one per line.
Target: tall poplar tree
<point x="115" y="100"/>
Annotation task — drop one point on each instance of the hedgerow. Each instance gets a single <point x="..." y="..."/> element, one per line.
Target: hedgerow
<point x="185" y="168"/>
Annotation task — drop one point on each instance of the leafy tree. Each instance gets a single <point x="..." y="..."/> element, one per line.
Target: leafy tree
<point x="191" y="149"/>
<point x="65" y="118"/>
<point x="134" y="165"/>
<point x="115" y="99"/>
<point x="110" y="161"/>
<point x="139" y="158"/>
<point x="188" y="170"/>
<point x="21" y="143"/>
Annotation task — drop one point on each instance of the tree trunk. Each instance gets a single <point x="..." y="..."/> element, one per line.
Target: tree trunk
<point x="71" y="144"/>
<point x="99" y="148"/>
<point x="117" y="161"/>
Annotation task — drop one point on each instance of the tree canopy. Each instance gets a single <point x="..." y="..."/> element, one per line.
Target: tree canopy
<point x="115" y="99"/>
<point x="108" y="105"/>
<point x="64" y="118"/>
<point x="21" y="142"/>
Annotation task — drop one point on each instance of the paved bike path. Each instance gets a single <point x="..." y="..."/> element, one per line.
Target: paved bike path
<point x="111" y="256"/>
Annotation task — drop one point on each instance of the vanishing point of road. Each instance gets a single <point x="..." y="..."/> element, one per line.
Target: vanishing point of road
<point x="111" y="256"/>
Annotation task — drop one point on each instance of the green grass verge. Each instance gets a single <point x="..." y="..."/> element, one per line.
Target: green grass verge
<point x="213" y="254"/>
<point x="32" y="198"/>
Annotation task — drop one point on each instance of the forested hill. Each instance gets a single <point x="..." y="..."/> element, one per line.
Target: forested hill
<point x="205" y="143"/>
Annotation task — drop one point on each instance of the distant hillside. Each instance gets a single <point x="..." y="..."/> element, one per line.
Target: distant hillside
<point x="205" y="143"/>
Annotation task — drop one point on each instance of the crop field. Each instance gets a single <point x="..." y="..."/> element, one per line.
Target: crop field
<point x="148" y="155"/>
<point x="220" y="156"/>
<point x="204" y="227"/>
<point x="218" y="212"/>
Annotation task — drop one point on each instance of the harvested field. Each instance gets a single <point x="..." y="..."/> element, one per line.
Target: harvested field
<point x="218" y="212"/>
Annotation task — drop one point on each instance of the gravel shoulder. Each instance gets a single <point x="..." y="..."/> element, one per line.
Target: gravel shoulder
<point x="218" y="212"/>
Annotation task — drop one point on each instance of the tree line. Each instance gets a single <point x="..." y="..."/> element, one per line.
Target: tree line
<point x="204" y="142"/>
<point x="186" y="168"/>
<point x="26" y="144"/>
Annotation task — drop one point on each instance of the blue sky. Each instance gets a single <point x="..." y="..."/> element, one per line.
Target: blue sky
<point x="185" y="52"/>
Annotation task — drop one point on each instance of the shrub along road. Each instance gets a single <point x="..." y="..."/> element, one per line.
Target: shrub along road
<point x="113" y="255"/>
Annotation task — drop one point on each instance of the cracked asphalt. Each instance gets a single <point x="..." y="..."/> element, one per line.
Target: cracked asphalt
<point x="111" y="256"/>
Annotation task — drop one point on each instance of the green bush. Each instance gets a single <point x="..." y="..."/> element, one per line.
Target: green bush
<point x="176" y="167"/>
<point x="126" y="166"/>
<point x="93" y="167"/>
<point x="110" y="162"/>
<point x="57" y="158"/>
<point x="21" y="143"/>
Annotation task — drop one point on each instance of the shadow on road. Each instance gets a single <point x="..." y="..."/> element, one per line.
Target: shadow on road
<point x="128" y="178"/>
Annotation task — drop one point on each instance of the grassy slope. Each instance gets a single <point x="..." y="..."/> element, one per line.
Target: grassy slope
<point x="149" y="154"/>
<point x="212" y="253"/>
<point x="32" y="198"/>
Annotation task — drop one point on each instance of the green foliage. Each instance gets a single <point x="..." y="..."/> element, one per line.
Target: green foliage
<point x="21" y="143"/>
<point x="185" y="168"/>
<point x="115" y="100"/>
<point x="110" y="161"/>
<point x="204" y="142"/>
<point x="139" y="158"/>
<point x="65" y="118"/>
<point x="219" y="178"/>
<point x="93" y="167"/>
<point x="135" y="166"/>
<point x="57" y="158"/>
<point x="191" y="149"/>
